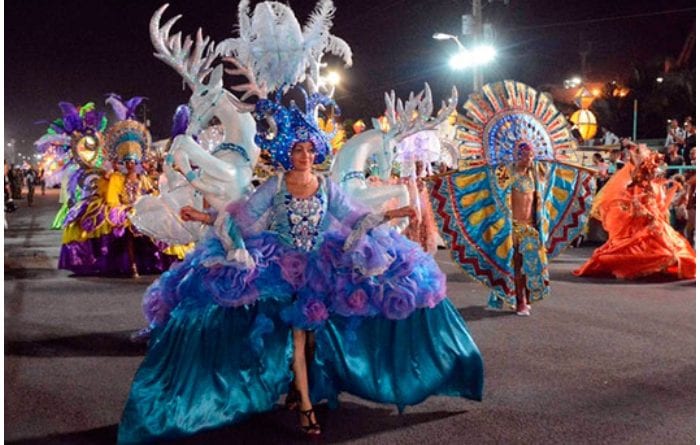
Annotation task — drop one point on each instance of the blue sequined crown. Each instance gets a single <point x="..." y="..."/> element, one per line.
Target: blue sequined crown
<point x="280" y="127"/>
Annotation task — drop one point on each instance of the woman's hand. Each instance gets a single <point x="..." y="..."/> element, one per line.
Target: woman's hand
<point x="403" y="212"/>
<point x="189" y="213"/>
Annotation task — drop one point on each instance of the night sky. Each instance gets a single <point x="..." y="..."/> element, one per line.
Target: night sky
<point x="79" y="50"/>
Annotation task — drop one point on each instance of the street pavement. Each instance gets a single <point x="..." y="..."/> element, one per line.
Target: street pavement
<point x="601" y="361"/>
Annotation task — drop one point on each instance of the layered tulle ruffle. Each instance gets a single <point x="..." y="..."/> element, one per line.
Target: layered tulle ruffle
<point x="383" y="274"/>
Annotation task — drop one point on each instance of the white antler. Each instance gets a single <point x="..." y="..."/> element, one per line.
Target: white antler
<point x="249" y="89"/>
<point x="193" y="64"/>
<point x="415" y="115"/>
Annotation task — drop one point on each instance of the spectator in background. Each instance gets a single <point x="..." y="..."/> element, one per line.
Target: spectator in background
<point x="30" y="178"/>
<point x="576" y="134"/>
<point x="609" y="138"/>
<point x="674" y="134"/>
<point x="679" y="211"/>
<point x="689" y="140"/>
<point x="42" y="181"/>
<point x="16" y="181"/>
<point x="602" y="169"/>
<point x="616" y="162"/>
<point x="9" y="202"/>
<point x="672" y="159"/>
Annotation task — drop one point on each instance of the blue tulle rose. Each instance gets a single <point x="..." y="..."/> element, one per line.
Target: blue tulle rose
<point x="370" y="258"/>
<point x="355" y="297"/>
<point x="432" y="285"/>
<point x="231" y="286"/>
<point x="399" y="300"/>
<point x="308" y="312"/>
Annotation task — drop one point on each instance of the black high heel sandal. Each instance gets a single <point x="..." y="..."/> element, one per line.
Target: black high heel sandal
<point x="313" y="428"/>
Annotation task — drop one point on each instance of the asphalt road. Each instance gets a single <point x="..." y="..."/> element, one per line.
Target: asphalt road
<point x="600" y="362"/>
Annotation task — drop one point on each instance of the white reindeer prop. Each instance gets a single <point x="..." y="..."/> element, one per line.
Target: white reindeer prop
<point x="224" y="174"/>
<point x="349" y="164"/>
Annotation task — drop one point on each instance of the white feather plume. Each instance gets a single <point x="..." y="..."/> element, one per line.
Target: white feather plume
<point x="273" y="46"/>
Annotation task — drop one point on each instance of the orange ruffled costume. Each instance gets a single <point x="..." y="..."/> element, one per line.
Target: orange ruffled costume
<point x="641" y="241"/>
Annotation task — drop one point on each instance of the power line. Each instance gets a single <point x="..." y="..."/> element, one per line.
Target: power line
<point x="602" y="19"/>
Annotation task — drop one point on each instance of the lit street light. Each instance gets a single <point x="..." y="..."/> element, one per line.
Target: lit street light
<point x="443" y="36"/>
<point x="573" y="82"/>
<point x="333" y="78"/>
<point x="475" y="57"/>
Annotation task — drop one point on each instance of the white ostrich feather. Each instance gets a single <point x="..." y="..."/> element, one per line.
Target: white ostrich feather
<point x="273" y="46"/>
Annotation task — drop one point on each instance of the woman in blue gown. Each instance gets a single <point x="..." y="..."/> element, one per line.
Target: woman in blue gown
<point x="297" y="260"/>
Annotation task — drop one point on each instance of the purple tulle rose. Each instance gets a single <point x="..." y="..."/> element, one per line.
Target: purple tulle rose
<point x="331" y="252"/>
<point x="369" y="257"/>
<point x="398" y="302"/>
<point x="315" y="311"/>
<point x="293" y="265"/>
<point x="356" y="295"/>
<point x="358" y="300"/>
<point x="232" y="286"/>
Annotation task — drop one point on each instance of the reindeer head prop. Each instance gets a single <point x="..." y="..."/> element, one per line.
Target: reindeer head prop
<point x="409" y="118"/>
<point x="192" y="59"/>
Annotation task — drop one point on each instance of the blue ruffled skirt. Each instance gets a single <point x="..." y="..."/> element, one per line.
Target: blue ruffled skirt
<point x="221" y="348"/>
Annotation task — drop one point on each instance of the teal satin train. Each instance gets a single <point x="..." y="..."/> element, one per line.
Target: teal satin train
<point x="204" y="369"/>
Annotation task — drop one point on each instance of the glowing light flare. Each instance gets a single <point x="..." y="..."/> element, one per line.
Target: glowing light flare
<point x="333" y="78"/>
<point x="477" y="56"/>
<point x="573" y="82"/>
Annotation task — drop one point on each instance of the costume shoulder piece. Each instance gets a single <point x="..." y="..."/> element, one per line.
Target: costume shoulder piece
<point x="472" y="204"/>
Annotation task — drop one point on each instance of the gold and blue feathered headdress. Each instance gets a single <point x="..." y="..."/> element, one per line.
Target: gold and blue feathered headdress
<point x="127" y="139"/>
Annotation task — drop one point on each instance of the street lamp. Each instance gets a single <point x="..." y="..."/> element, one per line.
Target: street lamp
<point x="443" y="36"/>
<point x="469" y="58"/>
<point x="333" y="78"/>
<point x="573" y="82"/>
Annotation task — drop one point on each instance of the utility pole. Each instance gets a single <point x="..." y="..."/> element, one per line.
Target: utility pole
<point x="478" y="32"/>
<point x="584" y="51"/>
<point x="473" y="27"/>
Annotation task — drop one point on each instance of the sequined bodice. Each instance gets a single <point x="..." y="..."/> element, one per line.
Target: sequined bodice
<point x="524" y="183"/>
<point x="305" y="215"/>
